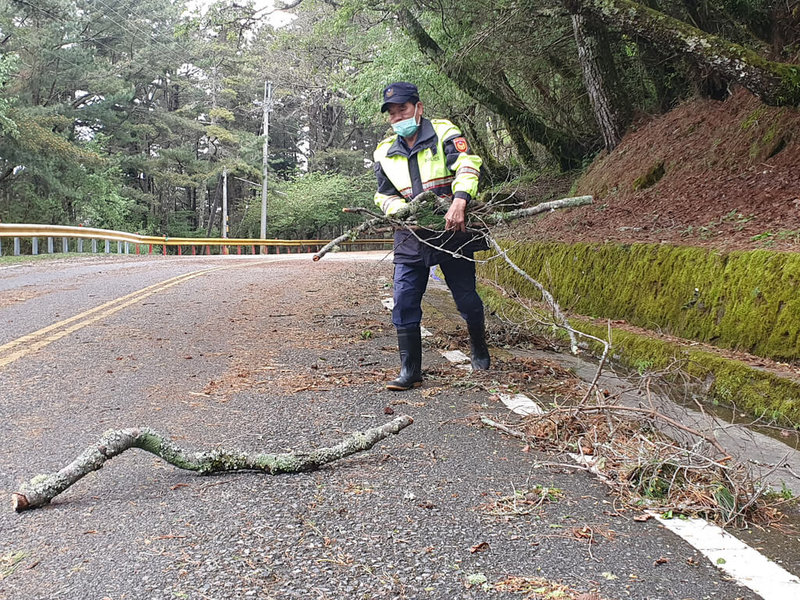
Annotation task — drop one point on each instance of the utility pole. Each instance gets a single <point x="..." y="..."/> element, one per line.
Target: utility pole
<point x="224" y="202"/>
<point x="267" y="109"/>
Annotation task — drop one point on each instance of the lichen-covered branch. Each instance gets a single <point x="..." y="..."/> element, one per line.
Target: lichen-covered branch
<point x="43" y="488"/>
<point x="421" y="212"/>
<point x="423" y="209"/>
<point x="350" y="234"/>
<point x="502" y="217"/>
<point x="558" y="315"/>
<point x="405" y="213"/>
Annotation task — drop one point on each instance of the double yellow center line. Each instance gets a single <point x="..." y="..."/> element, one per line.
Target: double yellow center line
<point x="32" y="342"/>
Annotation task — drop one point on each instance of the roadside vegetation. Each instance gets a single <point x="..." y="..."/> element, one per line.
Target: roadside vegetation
<point x="127" y="114"/>
<point x="133" y="115"/>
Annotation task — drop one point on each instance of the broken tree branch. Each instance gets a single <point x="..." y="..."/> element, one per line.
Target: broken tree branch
<point x="504" y="217"/>
<point x="404" y="213"/>
<point x="548" y="297"/>
<point x="405" y="216"/>
<point x="505" y="429"/>
<point x="43" y="488"/>
<point x="350" y="234"/>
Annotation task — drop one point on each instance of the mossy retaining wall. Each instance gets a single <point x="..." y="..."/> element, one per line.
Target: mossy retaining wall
<point x="748" y="300"/>
<point x="729" y="382"/>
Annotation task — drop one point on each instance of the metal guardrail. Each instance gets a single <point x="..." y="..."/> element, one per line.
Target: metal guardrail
<point x="125" y="241"/>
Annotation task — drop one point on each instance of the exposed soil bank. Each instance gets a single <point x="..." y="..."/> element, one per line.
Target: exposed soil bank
<point x="723" y="175"/>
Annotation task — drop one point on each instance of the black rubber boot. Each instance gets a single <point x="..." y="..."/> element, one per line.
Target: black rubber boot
<point x="409" y="341"/>
<point x="477" y="345"/>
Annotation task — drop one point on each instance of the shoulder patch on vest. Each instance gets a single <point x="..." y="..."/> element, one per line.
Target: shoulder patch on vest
<point x="460" y="144"/>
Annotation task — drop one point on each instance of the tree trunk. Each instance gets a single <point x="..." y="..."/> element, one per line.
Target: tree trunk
<point x="491" y="169"/>
<point x="500" y="98"/>
<point x="775" y="83"/>
<point x="43" y="488"/>
<point x="600" y="77"/>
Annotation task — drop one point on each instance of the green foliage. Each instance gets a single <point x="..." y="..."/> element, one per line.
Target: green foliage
<point x="655" y="479"/>
<point x="310" y="206"/>
<point x="338" y="160"/>
<point x="221" y="114"/>
<point x="100" y="200"/>
<point x="220" y="134"/>
<point x="46" y="172"/>
<point x="174" y="107"/>
<point x="7" y="126"/>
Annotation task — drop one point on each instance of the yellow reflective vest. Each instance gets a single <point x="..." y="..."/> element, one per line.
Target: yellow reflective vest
<point x="440" y="161"/>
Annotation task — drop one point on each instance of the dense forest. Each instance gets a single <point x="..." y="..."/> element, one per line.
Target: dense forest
<point x="130" y="114"/>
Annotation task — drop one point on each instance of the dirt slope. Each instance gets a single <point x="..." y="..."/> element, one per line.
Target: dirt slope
<point x="708" y="173"/>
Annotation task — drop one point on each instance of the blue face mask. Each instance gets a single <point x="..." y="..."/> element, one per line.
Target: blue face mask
<point x="406" y="127"/>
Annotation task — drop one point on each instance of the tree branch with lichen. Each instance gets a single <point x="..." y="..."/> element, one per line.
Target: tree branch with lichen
<point x="40" y="490"/>
<point x="426" y="211"/>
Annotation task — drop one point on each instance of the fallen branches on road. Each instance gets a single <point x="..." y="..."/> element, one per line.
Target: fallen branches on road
<point x="351" y="234"/>
<point x="43" y="488"/>
<point x="652" y="413"/>
<point x="504" y="428"/>
<point x="424" y="210"/>
<point x="651" y="459"/>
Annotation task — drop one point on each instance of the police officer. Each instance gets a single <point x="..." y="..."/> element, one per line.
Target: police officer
<point x="428" y="155"/>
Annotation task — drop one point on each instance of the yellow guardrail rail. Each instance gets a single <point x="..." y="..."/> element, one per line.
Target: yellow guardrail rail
<point x="33" y="231"/>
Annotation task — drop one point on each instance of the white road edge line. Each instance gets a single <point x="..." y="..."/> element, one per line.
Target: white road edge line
<point x="745" y="564"/>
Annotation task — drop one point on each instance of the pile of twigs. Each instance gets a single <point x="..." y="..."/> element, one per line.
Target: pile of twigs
<point x="628" y="448"/>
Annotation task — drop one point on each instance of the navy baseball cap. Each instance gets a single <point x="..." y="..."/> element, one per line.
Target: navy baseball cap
<point x="399" y="93"/>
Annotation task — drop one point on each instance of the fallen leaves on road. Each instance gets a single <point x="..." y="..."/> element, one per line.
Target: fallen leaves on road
<point x="537" y="588"/>
<point x="482" y="546"/>
<point x="523" y="502"/>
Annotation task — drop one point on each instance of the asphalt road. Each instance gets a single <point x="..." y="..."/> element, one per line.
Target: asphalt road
<point x="276" y="355"/>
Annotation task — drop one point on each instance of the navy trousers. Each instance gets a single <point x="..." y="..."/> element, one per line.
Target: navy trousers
<point x="411" y="281"/>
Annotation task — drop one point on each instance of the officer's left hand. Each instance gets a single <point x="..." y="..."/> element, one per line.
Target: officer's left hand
<point x="456" y="217"/>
